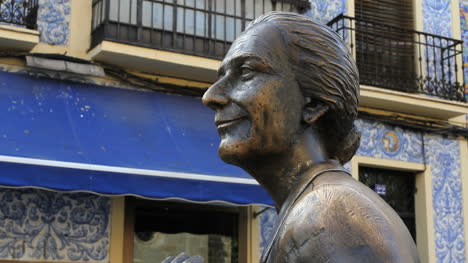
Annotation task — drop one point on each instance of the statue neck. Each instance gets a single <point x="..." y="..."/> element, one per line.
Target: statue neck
<point x="281" y="174"/>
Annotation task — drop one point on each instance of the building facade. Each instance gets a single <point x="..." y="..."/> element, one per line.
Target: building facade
<point x="108" y="155"/>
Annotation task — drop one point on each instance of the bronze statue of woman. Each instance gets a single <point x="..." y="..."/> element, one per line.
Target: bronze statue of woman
<point x="286" y="99"/>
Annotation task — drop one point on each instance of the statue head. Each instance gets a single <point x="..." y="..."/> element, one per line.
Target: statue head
<point x="285" y="75"/>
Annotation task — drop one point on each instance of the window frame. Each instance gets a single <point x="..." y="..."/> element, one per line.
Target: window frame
<point x="122" y="230"/>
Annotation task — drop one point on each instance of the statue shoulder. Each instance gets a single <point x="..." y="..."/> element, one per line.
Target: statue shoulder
<point x="336" y="222"/>
<point x="341" y="208"/>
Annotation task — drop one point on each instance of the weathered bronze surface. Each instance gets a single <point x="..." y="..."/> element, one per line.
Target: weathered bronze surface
<point x="285" y="101"/>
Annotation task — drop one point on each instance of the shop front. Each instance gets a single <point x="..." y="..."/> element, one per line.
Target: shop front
<point x="77" y="157"/>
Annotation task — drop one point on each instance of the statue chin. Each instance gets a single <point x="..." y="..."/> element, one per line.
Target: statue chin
<point x="244" y="152"/>
<point x="230" y="155"/>
<point x="236" y="153"/>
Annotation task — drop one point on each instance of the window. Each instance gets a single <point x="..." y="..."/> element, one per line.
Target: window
<point x="390" y="54"/>
<point x="397" y="188"/>
<point x="202" y="27"/>
<point x="218" y="19"/>
<point x="163" y="229"/>
<point x="384" y="43"/>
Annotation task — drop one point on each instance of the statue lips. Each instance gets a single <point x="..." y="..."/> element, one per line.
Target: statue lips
<point x="225" y="123"/>
<point x="228" y="116"/>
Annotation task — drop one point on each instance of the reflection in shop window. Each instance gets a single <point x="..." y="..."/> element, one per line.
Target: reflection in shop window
<point x="167" y="229"/>
<point x="156" y="246"/>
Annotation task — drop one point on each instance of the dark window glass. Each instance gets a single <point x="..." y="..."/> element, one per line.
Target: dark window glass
<point x="201" y="27"/>
<point x="397" y="188"/>
<point x="385" y="43"/>
<point x="165" y="229"/>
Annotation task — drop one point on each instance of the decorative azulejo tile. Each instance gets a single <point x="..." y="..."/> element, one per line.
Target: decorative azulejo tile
<point x="267" y="223"/>
<point x="436" y="20"/>
<point x="437" y="17"/>
<point x="43" y="225"/>
<point x="53" y="21"/>
<point x="444" y="157"/>
<point x="380" y="140"/>
<point x="326" y="10"/>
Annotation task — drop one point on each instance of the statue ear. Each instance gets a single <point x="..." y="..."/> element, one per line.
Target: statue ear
<point x="312" y="112"/>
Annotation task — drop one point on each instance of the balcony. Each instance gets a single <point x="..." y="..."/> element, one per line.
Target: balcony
<point x="18" y="24"/>
<point x="156" y="36"/>
<point x="19" y="13"/>
<point x="203" y="28"/>
<point x="404" y="60"/>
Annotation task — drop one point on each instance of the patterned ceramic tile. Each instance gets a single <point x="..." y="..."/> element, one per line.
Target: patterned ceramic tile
<point x="380" y="140"/>
<point x="42" y="225"/>
<point x="444" y="157"/>
<point x="53" y="21"/>
<point x="437" y="17"/>
<point x="325" y="11"/>
<point x="436" y="20"/>
<point x="267" y="223"/>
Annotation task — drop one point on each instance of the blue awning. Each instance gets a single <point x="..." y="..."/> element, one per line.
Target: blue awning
<point x="82" y="137"/>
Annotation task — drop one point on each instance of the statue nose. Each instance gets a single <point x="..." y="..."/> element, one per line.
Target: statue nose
<point x="215" y="96"/>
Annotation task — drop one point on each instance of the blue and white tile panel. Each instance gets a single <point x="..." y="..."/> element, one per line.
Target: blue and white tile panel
<point x="444" y="157"/>
<point x="389" y="142"/>
<point x="53" y="21"/>
<point x="50" y="226"/>
<point x="437" y="17"/>
<point x="436" y="20"/>
<point x="324" y="11"/>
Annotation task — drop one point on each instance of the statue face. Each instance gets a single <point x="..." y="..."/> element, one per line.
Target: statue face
<point x="257" y="101"/>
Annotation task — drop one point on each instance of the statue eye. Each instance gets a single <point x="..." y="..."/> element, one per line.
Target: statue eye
<point x="246" y="72"/>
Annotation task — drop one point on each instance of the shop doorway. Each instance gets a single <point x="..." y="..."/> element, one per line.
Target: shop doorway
<point x="397" y="188"/>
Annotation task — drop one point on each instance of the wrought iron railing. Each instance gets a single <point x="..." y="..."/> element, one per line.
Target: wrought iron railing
<point x="19" y="12"/>
<point x="198" y="27"/>
<point x="402" y="59"/>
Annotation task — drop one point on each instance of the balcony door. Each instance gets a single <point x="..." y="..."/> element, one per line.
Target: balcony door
<point x="384" y="44"/>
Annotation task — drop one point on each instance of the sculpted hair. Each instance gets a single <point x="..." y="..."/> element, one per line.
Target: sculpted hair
<point x="326" y="73"/>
